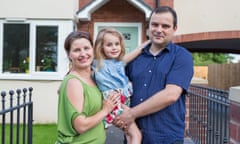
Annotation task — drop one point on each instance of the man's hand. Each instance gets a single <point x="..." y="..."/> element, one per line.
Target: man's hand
<point x="125" y="119"/>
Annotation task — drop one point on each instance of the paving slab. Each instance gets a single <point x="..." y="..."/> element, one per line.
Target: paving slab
<point x="116" y="136"/>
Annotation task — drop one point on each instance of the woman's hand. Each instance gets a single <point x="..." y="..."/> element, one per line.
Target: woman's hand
<point x="112" y="101"/>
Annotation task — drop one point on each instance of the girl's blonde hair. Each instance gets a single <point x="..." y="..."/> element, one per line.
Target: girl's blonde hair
<point x="98" y="46"/>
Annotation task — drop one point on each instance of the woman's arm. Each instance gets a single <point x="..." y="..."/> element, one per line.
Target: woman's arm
<point x="136" y="52"/>
<point x="82" y="123"/>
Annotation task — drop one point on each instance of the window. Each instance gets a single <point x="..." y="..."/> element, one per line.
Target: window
<point x="33" y="49"/>
<point x="15" y="48"/>
<point x="46" y="45"/>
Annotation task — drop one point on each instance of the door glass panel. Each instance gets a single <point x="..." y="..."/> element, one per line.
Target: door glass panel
<point x="130" y="35"/>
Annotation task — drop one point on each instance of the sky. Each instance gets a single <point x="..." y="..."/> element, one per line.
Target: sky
<point x="236" y="58"/>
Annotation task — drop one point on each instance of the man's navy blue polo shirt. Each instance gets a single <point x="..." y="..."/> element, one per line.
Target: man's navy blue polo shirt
<point x="150" y="74"/>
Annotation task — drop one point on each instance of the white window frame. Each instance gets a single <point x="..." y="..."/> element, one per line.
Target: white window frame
<point x="64" y="28"/>
<point x="119" y="24"/>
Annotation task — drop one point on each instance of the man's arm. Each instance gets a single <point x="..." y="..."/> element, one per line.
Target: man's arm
<point x="157" y="102"/>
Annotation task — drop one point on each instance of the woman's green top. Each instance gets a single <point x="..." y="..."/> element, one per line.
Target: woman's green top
<point x="66" y="134"/>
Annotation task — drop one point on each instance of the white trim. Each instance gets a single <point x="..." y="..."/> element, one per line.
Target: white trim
<point x="119" y="24"/>
<point x="85" y="13"/>
<point x="64" y="28"/>
<point x="15" y="20"/>
<point x="1" y="45"/>
<point x="142" y="7"/>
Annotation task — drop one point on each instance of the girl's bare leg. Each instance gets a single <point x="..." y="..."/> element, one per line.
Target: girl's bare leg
<point x="134" y="135"/>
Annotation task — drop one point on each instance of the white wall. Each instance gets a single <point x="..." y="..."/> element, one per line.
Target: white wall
<point x="57" y="9"/>
<point x="44" y="97"/>
<point x="207" y="15"/>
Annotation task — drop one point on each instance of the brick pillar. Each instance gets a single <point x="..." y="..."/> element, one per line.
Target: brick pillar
<point x="187" y="117"/>
<point x="234" y="97"/>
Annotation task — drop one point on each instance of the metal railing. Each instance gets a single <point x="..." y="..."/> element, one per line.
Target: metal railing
<point x="16" y="116"/>
<point x="208" y="115"/>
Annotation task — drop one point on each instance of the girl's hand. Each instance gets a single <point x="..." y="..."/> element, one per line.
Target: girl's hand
<point x="144" y="44"/>
<point x="112" y="101"/>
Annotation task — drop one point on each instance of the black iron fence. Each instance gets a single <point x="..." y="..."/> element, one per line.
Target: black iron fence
<point x="208" y="115"/>
<point x="16" y="116"/>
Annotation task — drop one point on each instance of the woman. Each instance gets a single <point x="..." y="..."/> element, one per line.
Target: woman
<point x="80" y="106"/>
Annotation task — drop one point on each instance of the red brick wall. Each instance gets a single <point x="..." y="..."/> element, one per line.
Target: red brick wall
<point x="115" y="11"/>
<point x="151" y="3"/>
<point x="234" y="122"/>
<point x="83" y="3"/>
<point x="187" y="117"/>
<point x="207" y="36"/>
<point x="167" y="3"/>
<point x="118" y="11"/>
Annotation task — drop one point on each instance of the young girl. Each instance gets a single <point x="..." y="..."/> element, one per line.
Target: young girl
<point x="110" y="76"/>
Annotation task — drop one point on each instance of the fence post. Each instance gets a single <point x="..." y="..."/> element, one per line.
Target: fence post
<point x="30" y="116"/>
<point x="3" y="94"/>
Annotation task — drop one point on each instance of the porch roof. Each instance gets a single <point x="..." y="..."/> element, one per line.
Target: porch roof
<point x="84" y="14"/>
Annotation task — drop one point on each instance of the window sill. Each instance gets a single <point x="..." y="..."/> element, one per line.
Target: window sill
<point x="32" y="76"/>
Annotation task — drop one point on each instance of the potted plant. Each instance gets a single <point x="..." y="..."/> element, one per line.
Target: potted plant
<point x="24" y="65"/>
<point x="48" y="63"/>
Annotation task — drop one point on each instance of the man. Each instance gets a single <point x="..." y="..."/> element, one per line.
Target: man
<point x="161" y="76"/>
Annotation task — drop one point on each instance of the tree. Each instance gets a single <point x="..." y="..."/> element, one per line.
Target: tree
<point x="204" y="59"/>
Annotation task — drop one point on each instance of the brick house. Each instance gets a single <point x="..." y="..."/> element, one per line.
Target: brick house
<point x="42" y="26"/>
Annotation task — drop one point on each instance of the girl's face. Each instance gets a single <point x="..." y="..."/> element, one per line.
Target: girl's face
<point x="81" y="53"/>
<point x="111" y="46"/>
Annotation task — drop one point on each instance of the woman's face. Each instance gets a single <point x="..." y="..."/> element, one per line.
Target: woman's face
<point x="81" y="53"/>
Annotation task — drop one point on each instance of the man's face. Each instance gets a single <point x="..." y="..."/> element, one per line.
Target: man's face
<point x="161" y="29"/>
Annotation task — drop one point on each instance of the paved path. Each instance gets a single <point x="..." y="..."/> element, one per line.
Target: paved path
<point x="115" y="136"/>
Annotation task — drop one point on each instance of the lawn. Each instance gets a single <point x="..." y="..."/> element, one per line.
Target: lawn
<point x="42" y="134"/>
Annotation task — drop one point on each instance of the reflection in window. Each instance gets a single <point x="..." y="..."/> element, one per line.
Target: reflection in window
<point x="16" y="48"/>
<point x="46" y="44"/>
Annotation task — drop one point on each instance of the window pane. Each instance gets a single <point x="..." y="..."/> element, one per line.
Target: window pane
<point x="46" y="53"/>
<point x="16" y="48"/>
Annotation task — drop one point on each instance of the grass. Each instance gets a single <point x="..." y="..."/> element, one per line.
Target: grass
<point x="42" y="134"/>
